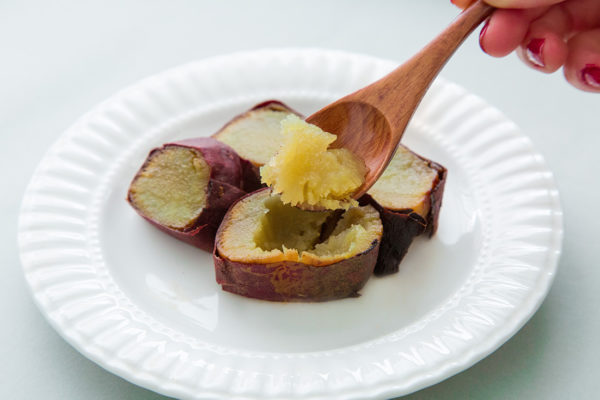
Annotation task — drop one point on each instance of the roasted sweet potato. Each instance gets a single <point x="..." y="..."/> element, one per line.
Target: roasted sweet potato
<point x="268" y="250"/>
<point x="185" y="188"/>
<point x="408" y="197"/>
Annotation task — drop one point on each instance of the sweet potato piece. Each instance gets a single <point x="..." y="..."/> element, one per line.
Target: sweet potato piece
<point x="271" y="251"/>
<point x="408" y="197"/>
<point x="185" y="188"/>
<point x="256" y="136"/>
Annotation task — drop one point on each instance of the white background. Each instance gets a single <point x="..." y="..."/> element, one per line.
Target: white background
<point x="59" y="58"/>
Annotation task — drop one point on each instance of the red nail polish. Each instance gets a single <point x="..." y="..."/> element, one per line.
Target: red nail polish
<point x="482" y="33"/>
<point x="590" y="75"/>
<point x="534" y="52"/>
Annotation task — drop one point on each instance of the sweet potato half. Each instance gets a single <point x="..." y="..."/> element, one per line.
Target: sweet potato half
<point x="408" y="197"/>
<point x="185" y="188"/>
<point x="272" y="251"/>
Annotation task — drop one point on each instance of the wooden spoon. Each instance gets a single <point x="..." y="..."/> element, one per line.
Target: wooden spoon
<point x="371" y="121"/>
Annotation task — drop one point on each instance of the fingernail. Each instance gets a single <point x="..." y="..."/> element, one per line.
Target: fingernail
<point x="482" y="33"/>
<point x="591" y="75"/>
<point x="534" y="52"/>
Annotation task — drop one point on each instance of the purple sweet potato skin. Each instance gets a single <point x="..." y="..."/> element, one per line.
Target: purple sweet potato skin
<point x="275" y="105"/>
<point x="251" y="176"/>
<point x="436" y="195"/>
<point x="223" y="189"/>
<point x="400" y="227"/>
<point x="251" y="171"/>
<point x="296" y="282"/>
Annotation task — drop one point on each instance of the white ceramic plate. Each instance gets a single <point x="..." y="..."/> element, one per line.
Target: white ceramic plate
<point x="147" y="307"/>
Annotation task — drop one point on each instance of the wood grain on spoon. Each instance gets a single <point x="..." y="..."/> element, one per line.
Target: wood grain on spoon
<point x="370" y="122"/>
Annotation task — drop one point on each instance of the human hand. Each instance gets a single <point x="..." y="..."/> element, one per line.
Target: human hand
<point x="547" y="35"/>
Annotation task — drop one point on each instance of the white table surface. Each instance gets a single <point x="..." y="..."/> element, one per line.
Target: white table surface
<point x="59" y="58"/>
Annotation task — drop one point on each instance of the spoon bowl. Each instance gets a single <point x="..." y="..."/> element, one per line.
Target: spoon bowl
<point x="363" y="129"/>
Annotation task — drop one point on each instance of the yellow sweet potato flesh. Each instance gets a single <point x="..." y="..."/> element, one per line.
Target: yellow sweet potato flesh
<point x="256" y="136"/>
<point x="308" y="174"/>
<point x="264" y="230"/>
<point x="406" y="183"/>
<point x="171" y="187"/>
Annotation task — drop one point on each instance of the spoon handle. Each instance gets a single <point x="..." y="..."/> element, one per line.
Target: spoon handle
<point x="399" y="93"/>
